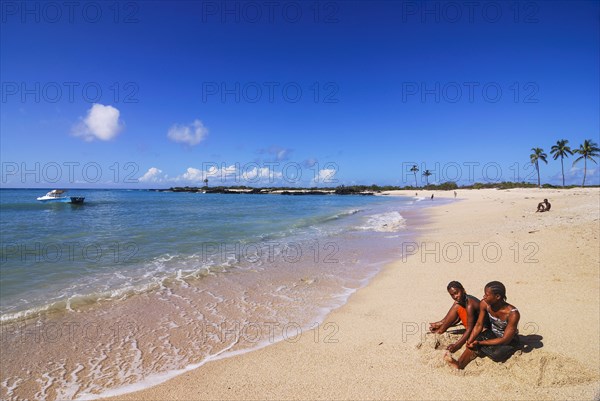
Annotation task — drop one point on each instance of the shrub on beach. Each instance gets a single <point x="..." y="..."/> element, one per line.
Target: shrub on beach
<point x="500" y="185"/>
<point x="445" y="186"/>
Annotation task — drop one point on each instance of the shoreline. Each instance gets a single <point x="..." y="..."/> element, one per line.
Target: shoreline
<point x="373" y="353"/>
<point x="190" y="320"/>
<point x="416" y="216"/>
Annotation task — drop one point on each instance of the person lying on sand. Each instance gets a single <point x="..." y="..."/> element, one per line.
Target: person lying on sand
<point x="465" y="309"/>
<point x="544" y="206"/>
<point x="502" y="340"/>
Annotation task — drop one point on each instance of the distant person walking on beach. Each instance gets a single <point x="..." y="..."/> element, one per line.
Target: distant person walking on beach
<point x="455" y="194"/>
<point x="465" y="310"/>
<point x="502" y="340"/>
<point x="544" y="206"/>
<point x="431" y="196"/>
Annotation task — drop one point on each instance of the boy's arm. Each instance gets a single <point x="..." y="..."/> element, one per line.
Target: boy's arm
<point x="479" y="325"/>
<point x="470" y="324"/>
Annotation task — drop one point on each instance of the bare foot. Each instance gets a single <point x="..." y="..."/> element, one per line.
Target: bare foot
<point x="448" y="358"/>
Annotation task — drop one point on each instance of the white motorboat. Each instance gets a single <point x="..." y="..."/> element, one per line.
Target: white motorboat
<point x="56" y="195"/>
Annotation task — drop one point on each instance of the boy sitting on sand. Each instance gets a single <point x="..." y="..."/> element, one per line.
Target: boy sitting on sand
<point x="502" y="340"/>
<point x="465" y="309"/>
<point x="544" y="206"/>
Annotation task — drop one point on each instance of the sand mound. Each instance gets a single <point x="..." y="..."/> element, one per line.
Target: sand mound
<point x="530" y="366"/>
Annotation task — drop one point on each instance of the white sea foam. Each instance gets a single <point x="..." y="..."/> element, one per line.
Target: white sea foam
<point x="157" y="277"/>
<point x="344" y="214"/>
<point x="155" y="379"/>
<point x="10" y="387"/>
<point x="385" y="222"/>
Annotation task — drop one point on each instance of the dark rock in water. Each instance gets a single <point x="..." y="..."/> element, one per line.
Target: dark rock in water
<point x="262" y="191"/>
<point x="218" y="191"/>
<point x="351" y="191"/>
<point x="186" y="189"/>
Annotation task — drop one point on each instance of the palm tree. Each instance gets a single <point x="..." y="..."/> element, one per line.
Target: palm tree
<point x="206" y="182"/>
<point x="414" y="169"/>
<point x="427" y="173"/>
<point x="561" y="150"/>
<point x="537" y="155"/>
<point x="588" y="150"/>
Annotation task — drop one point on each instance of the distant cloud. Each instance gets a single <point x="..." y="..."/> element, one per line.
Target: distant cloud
<point x="575" y="174"/>
<point x="229" y="175"/>
<point x="282" y="154"/>
<point x="310" y="162"/>
<point x="326" y="176"/>
<point x="192" y="175"/>
<point x="153" y="175"/>
<point x="190" y="135"/>
<point x="261" y="175"/>
<point x="102" y="123"/>
<point x="277" y="151"/>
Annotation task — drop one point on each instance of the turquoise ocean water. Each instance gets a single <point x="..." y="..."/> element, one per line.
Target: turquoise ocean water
<point x="157" y="268"/>
<point x="124" y="239"/>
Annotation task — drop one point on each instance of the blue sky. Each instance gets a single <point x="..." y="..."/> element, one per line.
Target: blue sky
<point x="146" y="94"/>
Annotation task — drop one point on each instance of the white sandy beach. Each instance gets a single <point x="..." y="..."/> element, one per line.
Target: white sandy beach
<point x="376" y="346"/>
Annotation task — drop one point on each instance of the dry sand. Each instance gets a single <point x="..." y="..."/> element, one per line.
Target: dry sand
<point x="376" y="346"/>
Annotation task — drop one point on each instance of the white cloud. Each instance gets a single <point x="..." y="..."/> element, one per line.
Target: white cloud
<point x="310" y="162"/>
<point x="102" y="122"/>
<point x="577" y="171"/>
<point x="191" y="134"/>
<point x="326" y="176"/>
<point x="575" y="174"/>
<point x="262" y="174"/>
<point x="230" y="175"/>
<point x="192" y="175"/>
<point x="153" y="175"/>
<point x="280" y="153"/>
<point x="224" y="171"/>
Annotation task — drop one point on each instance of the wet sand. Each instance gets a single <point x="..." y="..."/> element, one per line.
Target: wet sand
<point x="376" y="345"/>
<point x="95" y="345"/>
